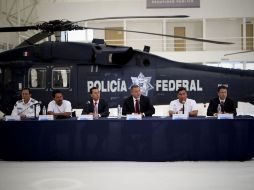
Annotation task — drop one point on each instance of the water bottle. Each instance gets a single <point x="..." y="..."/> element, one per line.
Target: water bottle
<point x="219" y="109"/>
<point x="44" y="110"/>
<point x="119" y="114"/>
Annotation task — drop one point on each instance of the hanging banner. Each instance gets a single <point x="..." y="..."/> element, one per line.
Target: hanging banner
<point x="172" y="3"/>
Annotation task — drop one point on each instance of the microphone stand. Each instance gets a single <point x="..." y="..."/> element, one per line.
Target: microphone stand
<point x="35" y="111"/>
<point x="183" y="106"/>
<point x="87" y="107"/>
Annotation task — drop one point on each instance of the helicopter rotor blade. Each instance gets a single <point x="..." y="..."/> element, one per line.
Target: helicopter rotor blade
<point x="65" y="25"/>
<point x="248" y="51"/>
<point x="131" y="17"/>
<point x="18" y="28"/>
<point x="166" y="35"/>
<point x="61" y="25"/>
<point x="35" y="38"/>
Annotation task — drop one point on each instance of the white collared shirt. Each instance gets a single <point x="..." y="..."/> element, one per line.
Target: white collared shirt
<point x="65" y="107"/>
<point x="176" y="105"/>
<point x="222" y="101"/>
<point x="27" y="109"/>
<point x="96" y="106"/>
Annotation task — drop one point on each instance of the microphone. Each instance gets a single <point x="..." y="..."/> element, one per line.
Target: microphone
<point x="183" y="102"/>
<point x="38" y="103"/>
<point x="87" y="106"/>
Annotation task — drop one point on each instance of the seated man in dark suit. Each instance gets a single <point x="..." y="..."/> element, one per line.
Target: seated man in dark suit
<point x="96" y="103"/>
<point x="227" y="105"/>
<point x="137" y="103"/>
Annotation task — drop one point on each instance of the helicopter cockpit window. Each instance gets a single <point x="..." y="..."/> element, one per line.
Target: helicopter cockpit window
<point x="61" y="78"/>
<point x="37" y="78"/>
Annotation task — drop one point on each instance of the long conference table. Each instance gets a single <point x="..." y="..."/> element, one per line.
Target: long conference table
<point x="149" y="139"/>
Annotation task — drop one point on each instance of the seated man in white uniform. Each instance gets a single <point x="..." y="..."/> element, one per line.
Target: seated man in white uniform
<point x="59" y="107"/>
<point x="25" y="108"/>
<point x="183" y="105"/>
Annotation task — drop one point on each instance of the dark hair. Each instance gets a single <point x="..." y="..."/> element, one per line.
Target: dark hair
<point x="26" y="89"/>
<point x="93" y="88"/>
<point x="56" y="92"/>
<point x="221" y="87"/>
<point x="181" y="89"/>
<point x="134" y="86"/>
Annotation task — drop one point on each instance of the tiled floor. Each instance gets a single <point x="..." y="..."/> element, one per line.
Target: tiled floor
<point x="126" y="175"/>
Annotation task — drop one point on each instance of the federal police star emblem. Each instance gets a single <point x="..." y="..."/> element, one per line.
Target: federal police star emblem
<point x="143" y="82"/>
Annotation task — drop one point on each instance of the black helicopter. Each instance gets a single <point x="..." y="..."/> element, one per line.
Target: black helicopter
<point x="76" y="67"/>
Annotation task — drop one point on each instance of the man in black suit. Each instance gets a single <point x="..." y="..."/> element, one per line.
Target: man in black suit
<point x="96" y="106"/>
<point x="137" y="103"/>
<point x="96" y="103"/>
<point x="227" y="105"/>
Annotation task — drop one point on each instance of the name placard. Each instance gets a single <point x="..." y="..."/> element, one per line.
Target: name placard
<point x="85" y="117"/>
<point x="134" y="117"/>
<point x="180" y="116"/>
<point x="12" y="118"/>
<point x="225" y="116"/>
<point x="172" y="3"/>
<point x="46" y="117"/>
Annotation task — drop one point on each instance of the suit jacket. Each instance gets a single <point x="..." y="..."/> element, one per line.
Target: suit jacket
<point x="103" y="109"/>
<point x="145" y="106"/>
<point x="229" y="106"/>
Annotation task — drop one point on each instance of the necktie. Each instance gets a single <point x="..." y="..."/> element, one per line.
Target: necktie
<point x="137" y="106"/>
<point x="95" y="106"/>
<point x="222" y="106"/>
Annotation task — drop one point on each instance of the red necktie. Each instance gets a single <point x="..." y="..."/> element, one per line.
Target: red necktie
<point x="137" y="106"/>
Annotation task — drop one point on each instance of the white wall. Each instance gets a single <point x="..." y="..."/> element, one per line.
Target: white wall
<point x="206" y="56"/>
<point x="101" y="33"/>
<point x="7" y="39"/>
<point x="192" y="29"/>
<point x="93" y="9"/>
<point x="220" y="29"/>
<point x="15" y="13"/>
<point x="211" y="10"/>
<point x="139" y="40"/>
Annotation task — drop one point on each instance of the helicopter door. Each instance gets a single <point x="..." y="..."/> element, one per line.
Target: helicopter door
<point x="9" y="91"/>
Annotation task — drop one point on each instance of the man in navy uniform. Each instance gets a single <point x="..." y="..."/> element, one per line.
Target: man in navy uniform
<point x="227" y="105"/>
<point x="137" y="103"/>
<point x="96" y="103"/>
<point x="25" y="108"/>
